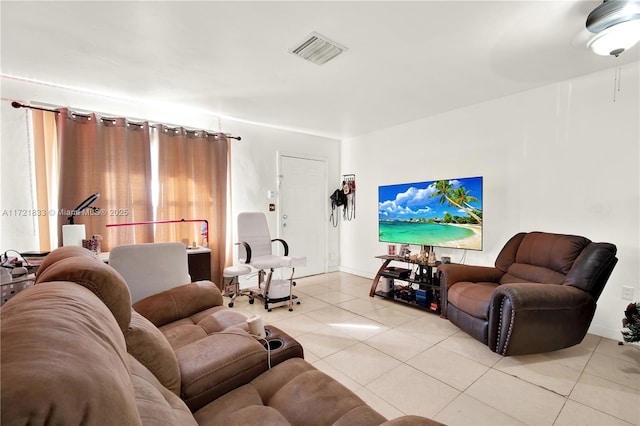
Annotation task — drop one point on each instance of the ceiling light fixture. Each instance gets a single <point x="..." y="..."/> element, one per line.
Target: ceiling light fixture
<point x="616" y="27"/>
<point x="317" y="49"/>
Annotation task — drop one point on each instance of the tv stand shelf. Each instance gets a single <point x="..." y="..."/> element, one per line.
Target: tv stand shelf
<point x="423" y="281"/>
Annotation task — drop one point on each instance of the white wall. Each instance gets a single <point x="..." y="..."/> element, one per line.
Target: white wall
<point x="563" y="158"/>
<point x="253" y="159"/>
<point x="17" y="221"/>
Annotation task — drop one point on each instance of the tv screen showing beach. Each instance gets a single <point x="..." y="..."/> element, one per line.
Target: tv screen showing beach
<point x="443" y="213"/>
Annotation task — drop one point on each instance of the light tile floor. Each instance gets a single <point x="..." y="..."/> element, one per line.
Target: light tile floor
<point x="403" y="360"/>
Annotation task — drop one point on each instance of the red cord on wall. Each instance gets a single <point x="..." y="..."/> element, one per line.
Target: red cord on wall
<point x="152" y="222"/>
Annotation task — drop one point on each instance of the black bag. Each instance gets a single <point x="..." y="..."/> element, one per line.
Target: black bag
<point x="338" y="198"/>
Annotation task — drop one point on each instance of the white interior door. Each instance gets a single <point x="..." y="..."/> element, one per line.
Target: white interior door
<point x="302" y="211"/>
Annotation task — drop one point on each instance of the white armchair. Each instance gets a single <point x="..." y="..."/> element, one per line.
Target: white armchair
<point x="255" y="248"/>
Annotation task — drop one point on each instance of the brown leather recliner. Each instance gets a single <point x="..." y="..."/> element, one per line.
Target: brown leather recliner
<point x="540" y="296"/>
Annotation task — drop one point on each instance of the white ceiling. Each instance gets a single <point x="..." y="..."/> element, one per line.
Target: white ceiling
<point x="405" y="60"/>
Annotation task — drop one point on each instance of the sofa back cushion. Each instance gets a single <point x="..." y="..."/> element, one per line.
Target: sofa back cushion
<point x="156" y="404"/>
<point x="539" y="257"/>
<point x="96" y="276"/>
<point x="64" y="360"/>
<point x="553" y="251"/>
<point x="63" y="253"/>
<point x="148" y="345"/>
<point x="507" y="255"/>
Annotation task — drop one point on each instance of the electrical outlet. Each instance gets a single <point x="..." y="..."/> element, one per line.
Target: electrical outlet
<point x="627" y="293"/>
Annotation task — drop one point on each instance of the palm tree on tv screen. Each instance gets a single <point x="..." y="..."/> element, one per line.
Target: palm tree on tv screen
<point x="458" y="197"/>
<point x="462" y="197"/>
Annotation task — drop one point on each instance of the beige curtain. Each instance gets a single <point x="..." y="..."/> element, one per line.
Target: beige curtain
<point x="78" y="155"/>
<point x="192" y="177"/>
<point x="112" y="157"/>
<point x="46" y="167"/>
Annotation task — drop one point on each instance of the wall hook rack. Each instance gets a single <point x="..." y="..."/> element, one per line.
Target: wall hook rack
<point x="349" y="188"/>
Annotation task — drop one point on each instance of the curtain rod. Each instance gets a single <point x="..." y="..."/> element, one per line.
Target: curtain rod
<point x="19" y="105"/>
<point x="16" y="104"/>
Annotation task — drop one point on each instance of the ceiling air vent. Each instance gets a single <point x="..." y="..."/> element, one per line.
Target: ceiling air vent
<point x="317" y="49"/>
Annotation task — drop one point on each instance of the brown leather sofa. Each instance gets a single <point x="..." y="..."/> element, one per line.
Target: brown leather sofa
<point x="540" y="296"/>
<point x="73" y="351"/>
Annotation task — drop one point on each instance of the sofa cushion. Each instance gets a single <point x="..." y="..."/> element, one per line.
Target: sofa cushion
<point x="293" y="392"/>
<point x="218" y="363"/>
<point x="247" y="415"/>
<point x="149" y="346"/>
<point x="472" y="298"/>
<point x="524" y="273"/>
<point x="64" y="360"/>
<point x="179" y="302"/>
<point x="182" y="332"/>
<point x="209" y="321"/>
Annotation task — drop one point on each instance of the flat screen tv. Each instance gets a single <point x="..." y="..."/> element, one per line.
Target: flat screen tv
<point x="442" y="213"/>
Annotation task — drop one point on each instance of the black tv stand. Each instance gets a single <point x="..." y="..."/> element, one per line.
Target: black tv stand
<point x="409" y="287"/>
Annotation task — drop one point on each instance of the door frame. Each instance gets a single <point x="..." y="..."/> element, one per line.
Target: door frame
<point x="325" y="229"/>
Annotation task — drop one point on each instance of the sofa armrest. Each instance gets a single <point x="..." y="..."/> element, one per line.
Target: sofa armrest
<point x="179" y="302"/>
<point x="451" y="273"/>
<point x="529" y="318"/>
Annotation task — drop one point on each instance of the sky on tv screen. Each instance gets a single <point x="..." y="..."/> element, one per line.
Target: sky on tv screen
<point x="414" y="200"/>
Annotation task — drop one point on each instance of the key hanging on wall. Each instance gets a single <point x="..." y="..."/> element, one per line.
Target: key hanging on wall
<point x="349" y="188"/>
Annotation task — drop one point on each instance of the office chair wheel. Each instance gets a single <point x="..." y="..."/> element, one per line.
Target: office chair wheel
<point x="231" y="304"/>
<point x="290" y="309"/>
<point x="269" y="310"/>
<point x="251" y="301"/>
<point x="297" y="303"/>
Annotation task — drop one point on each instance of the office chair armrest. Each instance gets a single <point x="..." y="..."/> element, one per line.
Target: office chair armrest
<point x="284" y="244"/>
<point x="247" y="248"/>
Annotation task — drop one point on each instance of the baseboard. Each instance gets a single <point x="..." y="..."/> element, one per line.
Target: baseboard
<point x="357" y="272"/>
<point x="609" y="333"/>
